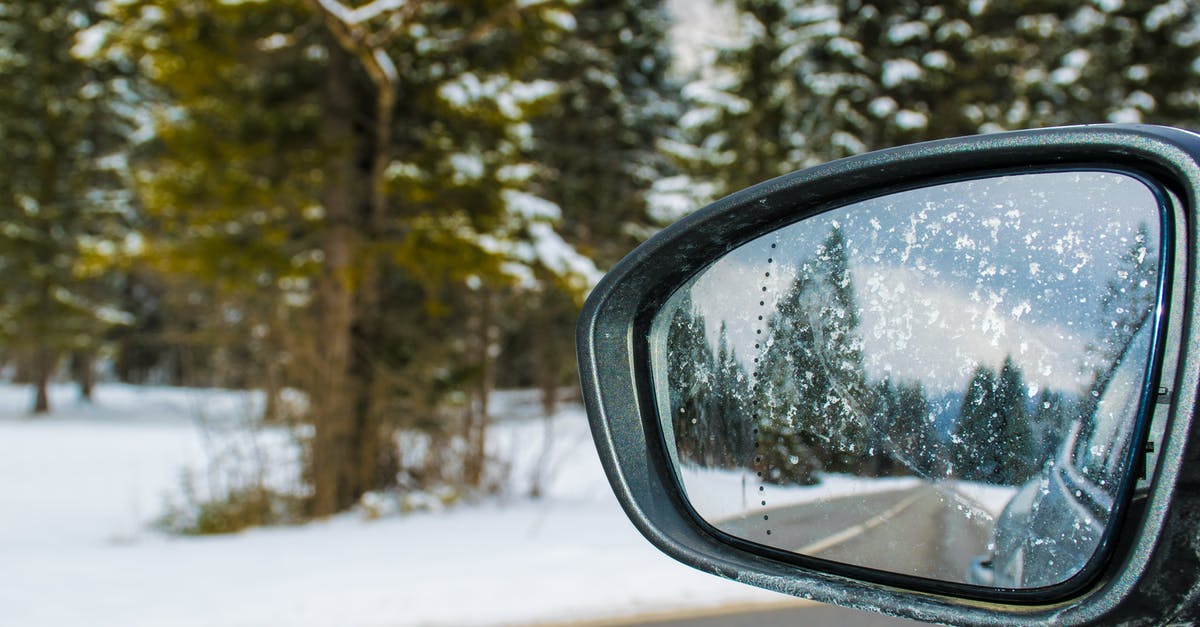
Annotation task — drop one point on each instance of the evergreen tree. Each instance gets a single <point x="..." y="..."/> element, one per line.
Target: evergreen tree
<point x="891" y="455"/>
<point x="1016" y="434"/>
<point x="63" y="202"/>
<point x="976" y="449"/>
<point x="812" y="392"/>
<point x="993" y="440"/>
<point x="1053" y="412"/>
<point x="592" y="152"/>
<point x="911" y="444"/>
<point x="729" y="425"/>
<point x="691" y="379"/>
<point x="354" y="162"/>
<point x="1125" y="307"/>
<point x="595" y="145"/>
<point x="812" y="81"/>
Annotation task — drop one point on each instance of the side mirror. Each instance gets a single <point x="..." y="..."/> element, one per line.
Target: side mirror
<point x="950" y="381"/>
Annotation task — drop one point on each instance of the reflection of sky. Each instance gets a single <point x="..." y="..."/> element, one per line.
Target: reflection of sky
<point x="957" y="274"/>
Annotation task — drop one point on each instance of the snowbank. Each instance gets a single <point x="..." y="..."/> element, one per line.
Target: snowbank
<point x="81" y="487"/>
<point x="718" y="494"/>
<point x="992" y="498"/>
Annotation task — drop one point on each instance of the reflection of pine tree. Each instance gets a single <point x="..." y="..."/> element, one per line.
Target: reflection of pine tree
<point x="728" y="423"/>
<point x="974" y="440"/>
<point x="909" y="433"/>
<point x="812" y="388"/>
<point x="883" y="414"/>
<point x="1051" y="415"/>
<point x="993" y="440"/>
<point x="1017" y="442"/>
<point x="708" y="394"/>
<point x="690" y="367"/>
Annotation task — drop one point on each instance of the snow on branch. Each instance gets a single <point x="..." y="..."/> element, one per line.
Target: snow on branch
<point x="338" y="10"/>
<point x="365" y="13"/>
<point x="373" y="10"/>
<point x="386" y="67"/>
<point x="509" y="96"/>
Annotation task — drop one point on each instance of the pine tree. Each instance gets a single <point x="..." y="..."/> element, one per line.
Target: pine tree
<point x="1126" y="307"/>
<point x="975" y="443"/>
<point x="812" y="391"/>
<point x="909" y="446"/>
<point x="1053" y="412"/>
<point x="63" y="202"/>
<point x="812" y="81"/>
<point x="365" y="165"/>
<point x="1018" y="455"/>
<point x="691" y="380"/>
<point x="1128" y="300"/>
<point x="592" y="153"/>
<point x="993" y="440"/>
<point x="729" y="425"/>
<point x="596" y="144"/>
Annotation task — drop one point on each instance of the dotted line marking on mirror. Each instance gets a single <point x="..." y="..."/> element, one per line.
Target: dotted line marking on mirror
<point x="759" y="345"/>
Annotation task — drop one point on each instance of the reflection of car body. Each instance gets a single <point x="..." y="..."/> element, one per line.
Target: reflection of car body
<point x="1054" y="524"/>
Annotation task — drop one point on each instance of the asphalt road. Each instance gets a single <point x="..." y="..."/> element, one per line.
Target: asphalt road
<point x="919" y="531"/>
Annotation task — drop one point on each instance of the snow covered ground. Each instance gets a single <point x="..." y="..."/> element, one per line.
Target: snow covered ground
<point x="719" y="494"/>
<point x="80" y="490"/>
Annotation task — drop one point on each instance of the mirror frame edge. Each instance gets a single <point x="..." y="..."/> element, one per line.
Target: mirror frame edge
<point x="625" y="433"/>
<point x="1107" y="545"/>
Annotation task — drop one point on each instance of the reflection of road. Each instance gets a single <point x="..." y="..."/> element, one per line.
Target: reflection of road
<point x="919" y="531"/>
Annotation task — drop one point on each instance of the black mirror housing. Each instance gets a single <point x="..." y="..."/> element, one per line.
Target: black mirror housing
<point x="1152" y="569"/>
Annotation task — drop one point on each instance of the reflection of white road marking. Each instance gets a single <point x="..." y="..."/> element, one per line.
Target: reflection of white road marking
<point x="861" y="528"/>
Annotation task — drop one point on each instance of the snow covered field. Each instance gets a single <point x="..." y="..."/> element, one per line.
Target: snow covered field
<point x="81" y="488"/>
<point x="719" y="494"/>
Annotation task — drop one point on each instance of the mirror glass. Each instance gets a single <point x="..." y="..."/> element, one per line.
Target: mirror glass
<point x="942" y="382"/>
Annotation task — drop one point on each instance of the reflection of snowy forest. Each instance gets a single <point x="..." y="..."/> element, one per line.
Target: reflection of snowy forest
<point x="805" y="403"/>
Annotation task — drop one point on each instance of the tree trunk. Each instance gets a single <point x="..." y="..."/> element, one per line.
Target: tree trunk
<point x="333" y="459"/>
<point x="478" y="418"/>
<point x="272" y="385"/>
<point x="43" y="366"/>
<point x="355" y="439"/>
<point x="84" y="373"/>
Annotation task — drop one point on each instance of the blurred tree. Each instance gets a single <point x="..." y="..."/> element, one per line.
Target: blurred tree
<point x="1016" y="434"/>
<point x="593" y="153"/>
<point x="1125" y="307"/>
<point x="596" y="145"/>
<point x="348" y="176"/>
<point x="63" y="202"/>
<point x="814" y="80"/>
<point x="975" y="445"/>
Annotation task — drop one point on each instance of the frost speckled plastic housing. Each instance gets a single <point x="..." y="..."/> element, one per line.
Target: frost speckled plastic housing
<point x="1152" y="571"/>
